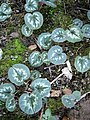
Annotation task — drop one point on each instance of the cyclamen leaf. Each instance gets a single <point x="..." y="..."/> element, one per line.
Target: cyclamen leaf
<point x="44" y="57"/>
<point x="77" y="95"/>
<point x="77" y="22"/>
<point x="88" y="14"/>
<point x="42" y="85"/>
<point x="44" y="40"/>
<point x="58" y="35"/>
<point x="35" y="59"/>
<point x="18" y="73"/>
<point x="6" y="9"/>
<point x="34" y="21"/>
<point x="68" y="101"/>
<point x="31" y="5"/>
<point x="82" y="64"/>
<point x="3" y="17"/>
<point x="26" y="30"/>
<point x="74" y="34"/>
<point x="48" y="112"/>
<point x="30" y="104"/>
<point x="6" y="90"/>
<point x="56" y="55"/>
<point x="35" y="74"/>
<point x="86" y="30"/>
<point x="11" y="104"/>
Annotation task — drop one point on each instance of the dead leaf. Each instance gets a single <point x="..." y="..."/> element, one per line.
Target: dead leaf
<point x="65" y="118"/>
<point x="67" y="91"/>
<point x="32" y="47"/>
<point x="55" y="93"/>
<point x="14" y="35"/>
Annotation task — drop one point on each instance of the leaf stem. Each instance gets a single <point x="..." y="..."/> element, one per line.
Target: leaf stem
<point x="56" y="78"/>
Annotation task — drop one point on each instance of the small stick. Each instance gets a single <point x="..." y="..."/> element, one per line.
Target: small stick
<point x="56" y="78"/>
<point x="82" y="9"/>
<point x="64" y="7"/>
<point x="50" y="67"/>
<point x="41" y="114"/>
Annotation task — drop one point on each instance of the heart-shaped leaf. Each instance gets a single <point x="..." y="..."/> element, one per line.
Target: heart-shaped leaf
<point x="56" y="55"/>
<point x="6" y="9"/>
<point x="77" y="22"/>
<point x="82" y="64"/>
<point x="86" y="30"/>
<point x="35" y="74"/>
<point x="44" y="57"/>
<point x="6" y="90"/>
<point x="44" y="40"/>
<point x="35" y="59"/>
<point x="77" y="94"/>
<point x="30" y="104"/>
<point x="11" y="104"/>
<point x="68" y="100"/>
<point x="74" y="34"/>
<point x="18" y="73"/>
<point x="3" y="17"/>
<point x="42" y="85"/>
<point x="31" y="5"/>
<point x="88" y="14"/>
<point x="58" y="35"/>
<point x="34" y="21"/>
<point x="26" y="30"/>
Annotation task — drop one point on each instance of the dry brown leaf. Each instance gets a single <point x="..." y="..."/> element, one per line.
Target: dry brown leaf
<point x="14" y="35"/>
<point x="55" y="93"/>
<point x="32" y="47"/>
<point x="65" y="118"/>
<point x="67" y="91"/>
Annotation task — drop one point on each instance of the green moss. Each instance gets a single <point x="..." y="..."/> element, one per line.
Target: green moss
<point x="54" y="104"/>
<point x="12" y="53"/>
<point x="86" y="51"/>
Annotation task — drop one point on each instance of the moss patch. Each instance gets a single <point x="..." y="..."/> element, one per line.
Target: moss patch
<point x="54" y="104"/>
<point x="12" y="53"/>
<point x="54" y="18"/>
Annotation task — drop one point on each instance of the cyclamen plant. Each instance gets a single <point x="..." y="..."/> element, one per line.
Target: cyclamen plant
<point x="70" y="100"/>
<point x="5" y="11"/>
<point x="30" y="103"/>
<point x="33" y="19"/>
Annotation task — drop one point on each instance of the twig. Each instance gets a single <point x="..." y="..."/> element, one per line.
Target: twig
<point x="78" y="49"/>
<point x="49" y="66"/>
<point x="56" y="78"/>
<point x="64" y="7"/>
<point x="41" y="114"/>
<point x="82" y="9"/>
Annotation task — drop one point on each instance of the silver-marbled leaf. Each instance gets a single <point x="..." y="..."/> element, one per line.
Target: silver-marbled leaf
<point x="18" y="73"/>
<point x="82" y="64"/>
<point x="58" y="35"/>
<point x="11" y="103"/>
<point x="30" y="104"/>
<point x="31" y="5"/>
<point x="56" y="55"/>
<point x="26" y="30"/>
<point x="34" y="20"/>
<point x="6" y="90"/>
<point x="35" y="59"/>
<point x="42" y="85"/>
